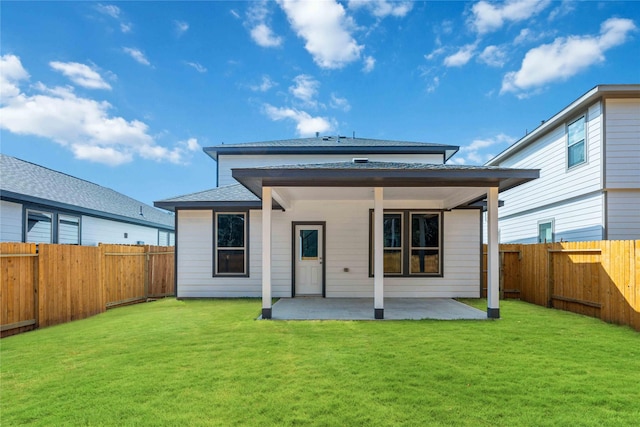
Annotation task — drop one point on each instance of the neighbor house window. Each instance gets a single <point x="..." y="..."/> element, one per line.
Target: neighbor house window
<point x="68" y="230"/>
<point x="545" y="232"/>
<point x="165" y="238"/>
<point x="576" y="143"/>
<point x="39" y="227"/>
<point x="412" y="243"/>
<point x="230" y="233"/>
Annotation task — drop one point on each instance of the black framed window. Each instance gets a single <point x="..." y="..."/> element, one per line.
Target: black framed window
<point x="412" y="243"/>
<point x="230" y="243"/>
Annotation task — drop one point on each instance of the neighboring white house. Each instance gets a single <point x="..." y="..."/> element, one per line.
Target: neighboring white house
<point x="302" y="217"/>
<point x="41" y="205"/>
<point x="589" y="160"/>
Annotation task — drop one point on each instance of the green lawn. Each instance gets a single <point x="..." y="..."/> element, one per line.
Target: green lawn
<point x="208" y="362"/>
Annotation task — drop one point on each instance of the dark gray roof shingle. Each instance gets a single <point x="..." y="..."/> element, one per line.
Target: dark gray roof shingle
<point x="382" y="166"/>
<point x="331" y="141"/>
<point x="228" y="193"/>
<point x="28" y="181"/>
<point x="235" y="195"/>
<point x="332" y="145"/>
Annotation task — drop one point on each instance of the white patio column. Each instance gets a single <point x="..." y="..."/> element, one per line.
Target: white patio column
<point x="378" y="254"/>
<point x="493" y="256"/>
<point x="266" y="252"/>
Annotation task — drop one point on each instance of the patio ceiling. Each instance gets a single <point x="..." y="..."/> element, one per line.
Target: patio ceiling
<point x="442" y="197"/>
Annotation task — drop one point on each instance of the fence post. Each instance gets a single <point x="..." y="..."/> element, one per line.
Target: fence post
<point x="550" y="278"/>
<point x="146" y="271"/>
<point x="36" y="288"/>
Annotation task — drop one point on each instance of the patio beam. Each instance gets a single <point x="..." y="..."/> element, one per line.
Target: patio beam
<point x="493" y="268"/>
<point x="266" y="252"/>
<point x="378" y="251"/>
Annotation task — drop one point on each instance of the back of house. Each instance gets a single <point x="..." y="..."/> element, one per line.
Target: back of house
<point x="335" y="217"/>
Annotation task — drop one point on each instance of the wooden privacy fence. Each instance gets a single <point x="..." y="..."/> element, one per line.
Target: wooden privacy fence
<point x="46" y="285"/>
<point x="599" y="279"/>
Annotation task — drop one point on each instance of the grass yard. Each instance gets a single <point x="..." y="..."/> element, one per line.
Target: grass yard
<point x="208" y="362"/>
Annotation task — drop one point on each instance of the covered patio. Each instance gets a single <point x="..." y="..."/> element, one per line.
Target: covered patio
<point x="317" y="308"/>
<point x="442" y="187"/>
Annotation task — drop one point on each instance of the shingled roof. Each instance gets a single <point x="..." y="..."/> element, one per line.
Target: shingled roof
<point x="234" y="195"/>
<point x="22" y="181"/>
<point x="333" y="145"/>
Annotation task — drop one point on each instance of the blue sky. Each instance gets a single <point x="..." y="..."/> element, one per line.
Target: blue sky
<point x="126" y="94"/>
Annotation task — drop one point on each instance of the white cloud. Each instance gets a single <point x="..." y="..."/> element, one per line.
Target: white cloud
<point x="11" y="73"/>
<point x="306" y="125"/>
<point x="105" y="155"/>
<point x="181" y="27"/>
<point x="197" y="66"/>
<point x="326" y="29"/>
<point x="80" y="74"/>
<point x="383" y="8"/>
<point x="264" y="85"/>
<point x="477" y="152"/>
<point x="565" y="8"/>
<point x="258" y="22"/>
<point x="566" y="56"/>
<point x="369" y="64"/>
<point x="305" y="89"/>
<point x="115" y="13"/>
<point x="489" y="16"/>
<point x="433" y="84"/>
<point x="340" y="103"/>
<point x="191" y="144"/>
<point x="109" y="9"/>
<point x="436" y="52"/>
<point x="137" y="55"/>
<point x="85" y="126"/>
<point x="494" y="56"/>
<point x="264" y="36"/>
<point x="461" y="57"/>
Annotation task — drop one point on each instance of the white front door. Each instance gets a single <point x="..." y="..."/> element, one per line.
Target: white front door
<point x="308" y="259"/>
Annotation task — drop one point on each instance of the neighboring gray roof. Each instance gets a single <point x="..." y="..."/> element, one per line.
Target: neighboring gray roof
<point x="234" y="195"/>
<point x="332" y="145"/>
<point x="27" y="182"/>
<point x="600" y="91"/>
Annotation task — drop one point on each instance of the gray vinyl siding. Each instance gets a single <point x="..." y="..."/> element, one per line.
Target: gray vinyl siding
<point x="623" y="143"/>
<point x="578" y="220"/>
<point x="623" y="215"/>
<point x="98" y="230"/>
<point x="347" y="247"/>
<point x="10" y="221"/>
<point x="228" y="162"/>
<point x="556" y="192"/>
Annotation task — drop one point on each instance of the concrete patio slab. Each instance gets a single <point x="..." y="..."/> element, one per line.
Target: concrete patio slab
<point x="316" y="308"/>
